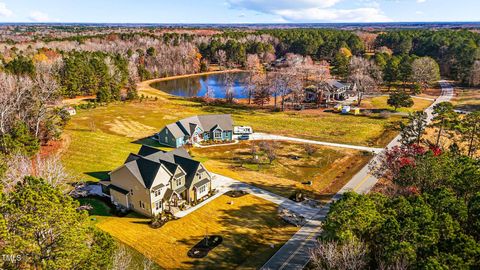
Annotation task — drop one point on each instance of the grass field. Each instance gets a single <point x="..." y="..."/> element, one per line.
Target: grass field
<point x="381" y="103"/>
<point x="328" y="169"/>
<point x="467" y="99"/>
<point x="100" y="139"/>
<point x="249" y="227"/>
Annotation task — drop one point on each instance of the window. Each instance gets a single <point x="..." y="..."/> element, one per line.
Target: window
<point x="202" y="189"/>
<point x="178" y="181"/>
<point x="158" y="205"/>
<point x="166" y="139"/>
<point x="131" y="191"/>
<point x="217" y="134"/>
<point x="142" y="205"/>
<point x="157" y="192"/>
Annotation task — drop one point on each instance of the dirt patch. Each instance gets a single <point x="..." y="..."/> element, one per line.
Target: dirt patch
<point x="56" y="147"/>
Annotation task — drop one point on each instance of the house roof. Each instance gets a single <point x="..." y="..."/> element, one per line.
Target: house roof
<point x="145" y="170"/>
<point x="131" y="157"/>
<point x="335" y="83"/>
<point x="190" y="167"/>
<point x="146" y="150"/>
<point x="206" y="122"/>
<point x="201" y="183"/>
<point x="176" y="131"/>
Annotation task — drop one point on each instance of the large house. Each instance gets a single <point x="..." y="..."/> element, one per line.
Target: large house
<point x="154" y="181"/>
<point x="332" y="90"/>
<point x="195" y="129"/>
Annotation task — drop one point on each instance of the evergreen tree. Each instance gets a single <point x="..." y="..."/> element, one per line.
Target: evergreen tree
<point x="45" y="228"/>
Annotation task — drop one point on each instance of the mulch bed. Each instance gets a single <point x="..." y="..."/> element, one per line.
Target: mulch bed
<point x="202" y="248"/>
<point x="236" y="193"/>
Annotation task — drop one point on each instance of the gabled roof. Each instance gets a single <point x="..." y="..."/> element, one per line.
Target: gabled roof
<point x="146" y="150"/>
<point x="335" y="83"/>
<point x="144" y="170"/>
<point x="190" y="167"/>
<point x="176" y="130"/>
<point x="131" y="157"/>
<point x="206" y="122"/>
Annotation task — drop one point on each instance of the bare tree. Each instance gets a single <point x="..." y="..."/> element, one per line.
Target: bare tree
<point x="425" y="70"/>
<point x="229" y="88"/>
<point x="333" y="255"/>
<point x="221" y="57"/>
<point x="365" y="75"/>
<point x="49" y="169"/>
<point x="253" y="63"/>
<point x="44" y="92"/>
<point x="121" y="258"/>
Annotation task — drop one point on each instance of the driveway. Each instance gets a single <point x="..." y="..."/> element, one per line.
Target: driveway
<point x="295" y="253"/>
<point x="266" y="137"/>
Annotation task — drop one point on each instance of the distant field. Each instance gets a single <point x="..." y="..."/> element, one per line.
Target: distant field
<point x="251" y="229"/>
<point x="328" y="169"/>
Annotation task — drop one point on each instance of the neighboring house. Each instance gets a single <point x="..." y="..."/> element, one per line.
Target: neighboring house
<point x="331" y="89"/>
<point x="70" y="110"/>
<point x="154" y="181"/>
<point x="196" y="129"/>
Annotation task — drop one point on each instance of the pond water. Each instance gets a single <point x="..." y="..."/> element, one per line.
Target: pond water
<point x="196" y="86"/>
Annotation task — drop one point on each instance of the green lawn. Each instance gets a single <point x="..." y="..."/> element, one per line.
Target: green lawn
<point x="249" y="226"/>
<point x="381" y="103"/>
<point x="98" y="140"/>
<point x="328" y="169"/>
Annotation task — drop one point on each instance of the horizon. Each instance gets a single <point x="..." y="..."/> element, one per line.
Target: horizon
<point x="238" y="11"/>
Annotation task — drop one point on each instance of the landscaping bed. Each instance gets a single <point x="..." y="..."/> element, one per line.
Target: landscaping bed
<point x="205" y="245"/>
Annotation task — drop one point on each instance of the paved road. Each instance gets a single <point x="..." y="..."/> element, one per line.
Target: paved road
<point x="295" y="253"/>
<point x="264" y="136"/>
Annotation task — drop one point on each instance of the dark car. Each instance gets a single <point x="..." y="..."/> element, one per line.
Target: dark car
<point x="244" y="137"/>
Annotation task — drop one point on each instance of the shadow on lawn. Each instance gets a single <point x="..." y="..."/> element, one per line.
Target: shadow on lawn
<point x="101" y="175"/>
<point x="148" y="141"/>
<point x="246" y="241"/>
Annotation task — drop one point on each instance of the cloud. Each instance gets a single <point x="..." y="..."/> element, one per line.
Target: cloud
<point x="38" y="16"/>
<point x="314" y="10"/>
<point x="4" y="11"/>
<point x="334" y="15"/>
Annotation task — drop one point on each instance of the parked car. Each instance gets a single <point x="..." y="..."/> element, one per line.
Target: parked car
<point x="244" y="137"/>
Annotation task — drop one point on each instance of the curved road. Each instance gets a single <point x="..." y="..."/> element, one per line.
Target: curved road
<point x="295" y="253"/>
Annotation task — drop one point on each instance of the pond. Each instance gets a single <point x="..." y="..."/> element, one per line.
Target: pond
<point x="196" y="86"/>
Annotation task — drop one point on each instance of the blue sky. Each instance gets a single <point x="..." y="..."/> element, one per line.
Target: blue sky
<point x="237" y="11"/>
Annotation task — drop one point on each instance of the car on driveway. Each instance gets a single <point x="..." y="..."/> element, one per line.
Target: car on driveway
<point x="244" y="137"/>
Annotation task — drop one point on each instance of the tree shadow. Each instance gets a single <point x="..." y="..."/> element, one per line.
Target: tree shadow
<point x="247" y="233"/>
<point x="101" y="175"/>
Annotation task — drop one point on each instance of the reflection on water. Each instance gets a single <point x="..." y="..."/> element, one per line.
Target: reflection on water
<point x="196" y="86"/>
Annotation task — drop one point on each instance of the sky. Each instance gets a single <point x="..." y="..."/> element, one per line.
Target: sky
<point x="238" y="11"/>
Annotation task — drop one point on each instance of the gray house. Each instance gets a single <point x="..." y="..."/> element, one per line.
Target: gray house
<point x="331" y="89"/>
<point x="154" y="181"/>
<point x="195" y="129"/>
